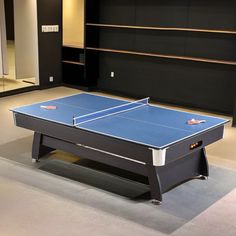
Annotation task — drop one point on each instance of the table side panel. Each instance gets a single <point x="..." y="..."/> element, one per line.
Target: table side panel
<point x="77" y="136"/>
<point x="181" y="170"/>
<point x="182" y="148"/>
<point x="152" y="126"/>
<point x="120" y="147"/>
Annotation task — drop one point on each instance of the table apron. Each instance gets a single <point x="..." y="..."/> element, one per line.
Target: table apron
<point x="182" y="148"/>
<point x="74" y="135"/>
<point x="127" y="149"/>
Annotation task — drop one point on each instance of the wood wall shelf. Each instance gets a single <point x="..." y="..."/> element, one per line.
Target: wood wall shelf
<point x="156" y="46"/>
<point x="73" y="62"/>
<point x="164" y="56"/>
<point x="73" y="45"/>
<point x="164" y="28"/>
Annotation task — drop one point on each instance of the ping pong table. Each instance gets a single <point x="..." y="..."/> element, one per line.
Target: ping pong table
<point x="149" y="140"/>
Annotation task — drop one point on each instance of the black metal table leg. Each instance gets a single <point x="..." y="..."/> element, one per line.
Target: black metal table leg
<point x="204" y="168"/>
<point x="39" y="150"/>
<point x="154" y="182"/>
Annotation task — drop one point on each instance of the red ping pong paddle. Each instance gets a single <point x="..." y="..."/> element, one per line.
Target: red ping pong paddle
<point x="49" y="107"/>
<point x="195" y="122"/>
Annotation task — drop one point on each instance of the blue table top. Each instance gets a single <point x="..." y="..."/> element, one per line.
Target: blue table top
<point x="153" y="126"/>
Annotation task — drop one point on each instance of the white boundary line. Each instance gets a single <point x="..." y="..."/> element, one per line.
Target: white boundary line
<point x="158" y="106"/>
<point x="67" y="96"/>
<point x="120" y="99"/>
<point x="12" y="109"/>
<point x="114" y="113"/>
<point x="59" y="122"/>
<point x="150" y="145"/>
<point x="163" y="107"/>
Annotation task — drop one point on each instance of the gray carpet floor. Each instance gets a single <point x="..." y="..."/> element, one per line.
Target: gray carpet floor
<point x="98" y="188"/>
<point x="63" y="195"/>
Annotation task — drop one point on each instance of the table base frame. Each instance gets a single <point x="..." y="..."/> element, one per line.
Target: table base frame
<point x="160" y="180"/>
<point x="182" y="162"/>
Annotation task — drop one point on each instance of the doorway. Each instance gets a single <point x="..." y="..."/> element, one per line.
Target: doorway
<point x="21" y="44"/>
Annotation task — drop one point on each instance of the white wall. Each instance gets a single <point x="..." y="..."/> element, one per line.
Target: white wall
<point x="3" y="44"/>
<point x="73" y="22"/>
<point x="26" y="39"/>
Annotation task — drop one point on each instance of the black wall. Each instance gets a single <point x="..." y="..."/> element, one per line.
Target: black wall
<point x="50" y="44"/>
<point x="203" y="85"/>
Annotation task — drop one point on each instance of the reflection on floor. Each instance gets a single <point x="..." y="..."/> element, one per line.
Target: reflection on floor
<point x="9" y="82"/>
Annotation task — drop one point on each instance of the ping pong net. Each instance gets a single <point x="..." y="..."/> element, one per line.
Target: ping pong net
<point x="77" y="121"/>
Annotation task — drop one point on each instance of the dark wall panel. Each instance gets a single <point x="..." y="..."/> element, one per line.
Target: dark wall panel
<point x="202" y="85"/>
<point x="210" y="86"/>
<point x="191" y="44"/>
<point x="142" y="40"/>
<point x="164" y="13"/>
<point x="212" y="14"/>
<point x="160" y="42"/>
<point x="213" y="46"/>
<point x="110" y="12"/>
<point x="50" y="44"/>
